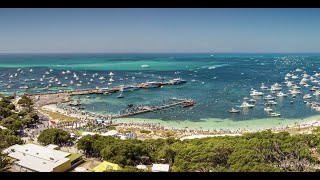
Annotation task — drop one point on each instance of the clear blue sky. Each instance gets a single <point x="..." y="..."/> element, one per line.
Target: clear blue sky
<point x="159" y="30"/>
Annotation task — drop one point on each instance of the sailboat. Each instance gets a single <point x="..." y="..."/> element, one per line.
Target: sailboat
<point x="120" y="96"/>
<point x="85" y="72"/>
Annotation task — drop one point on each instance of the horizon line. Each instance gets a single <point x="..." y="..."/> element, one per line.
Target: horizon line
<point x="160" y="52"/>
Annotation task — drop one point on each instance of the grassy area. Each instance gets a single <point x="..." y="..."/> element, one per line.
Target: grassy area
<point x="58" y="116"/>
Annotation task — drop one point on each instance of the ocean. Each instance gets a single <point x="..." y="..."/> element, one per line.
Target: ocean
<point x="216" y="82"/>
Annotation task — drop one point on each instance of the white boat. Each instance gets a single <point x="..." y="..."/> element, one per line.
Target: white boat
<point x="64" y="85"/>
<point x="63" y="72"/>
<point x="59" y="83"/>
<point x="193" y="80"/>
<point x="305" y="75"/>
<point x="317" y="93"/>
<point x="288" y="75"/>
<point x="316" y="74"/>
<point x="50" y="70"/>
<point x="286" y="78"/>
<point x="268" y="109"/>
<point x="315" y="81"/>
<point x="71" y="82"/>
<point x="275" y="114"/>
<point x="77" y="78"/>
<point x="23" y="87"/>
<point x="120" y="96"/>
<point x="101" y="78"/>
<point x="111" y="80"/>
<point x="128" y="88"/>
<point x="16" y="74"/>
<point x="31" y="70"/>
<point x="145" y="66"/>
<point x="307" y="96"/>
<point x="177" y="81"/>
<point x="78" y="85"/>
<point x="233" y="110"/>
<point x="276" y="87"/>
<point x="256" y="93"/>
<point x="246" y="105"/>
<point x="66" y="78"/>
<point x="294" y="77"/>
<point x="47" y="72"/>
<point x="306" y="85"/>
<point x="281" y="94"/>
<point x="252" y="101"/>
<point x="68" y="72"/>
<point x="111" y="74"/>
<point x="298" y="70"/>
<point x="91" y="80"/>
<point x="56" y="79"/>
<point x="246" y="98"/>
<point x="11" y="76"/>
<point x="41" y="79"/>
<point x="268" y="97"/>
<point x="19" y="69"/>
<point x="294" y="92"/>
<point x="271" y="102"/>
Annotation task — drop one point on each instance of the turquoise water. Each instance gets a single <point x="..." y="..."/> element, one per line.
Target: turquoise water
<point x="220" y="82"/>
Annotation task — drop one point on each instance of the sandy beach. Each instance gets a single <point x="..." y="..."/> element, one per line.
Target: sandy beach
<point x="163" y="130"/>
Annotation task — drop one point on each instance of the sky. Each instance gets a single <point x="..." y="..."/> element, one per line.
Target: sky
<point x="149" y="30"/>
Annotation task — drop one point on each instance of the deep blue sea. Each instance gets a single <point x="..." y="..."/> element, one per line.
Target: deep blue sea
<point x="216" y="82"/>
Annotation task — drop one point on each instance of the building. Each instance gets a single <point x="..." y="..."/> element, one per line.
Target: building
<point x="105" y="165"/>
<point x="160" y="167"/>
<point x="36" y="158"/>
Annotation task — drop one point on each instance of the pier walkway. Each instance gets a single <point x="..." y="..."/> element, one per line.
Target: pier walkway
<point x="145" y="109"/>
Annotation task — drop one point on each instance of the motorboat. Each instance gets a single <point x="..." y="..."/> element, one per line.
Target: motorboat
<point x="111" y="80"/>
<point x="188" y="105"/>
<point x="317" y="93"/>
<point x="298" y="70"/>
<point x="252" y="101"/>
<point x="256" y="93"/>
<point x="66" y="78"/>
<point x="271" y="102"/>
<point x="276" y="87"/>
<point x="263" y="86"/>
<point x="268" y="97"/>
<point x="288" y="75"/>
<point x="128" y="88"/>
<point x="177" y="81"/>
<point x="64" y="85"/>
<point x="68" y="72"/>
<point x="307" y="96"/>
<point x="233" y="110"/>
<point x="294" y="77"/>
<point x="293" y="92"/>
<point x="71" y="82"/>
<point x="281" y="94"/>
<point x="275" y="114"/>
<point x="41" y="79"/>
<point x="246" y="105"/>
<point x="101" y="78"/>
<point x="268" y="109"/>
<point x="246" y="98"/>
<point x="145" y="66"/>
<point x="31" y="70"/>
<point x="111" y="74"/>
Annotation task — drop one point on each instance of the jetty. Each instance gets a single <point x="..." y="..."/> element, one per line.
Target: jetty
<point x="145" y="109"/>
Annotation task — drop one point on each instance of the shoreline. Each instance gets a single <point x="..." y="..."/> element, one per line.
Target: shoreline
<point x="298" y="126"/>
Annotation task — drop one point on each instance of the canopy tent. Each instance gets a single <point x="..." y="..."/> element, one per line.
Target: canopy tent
<point x="105" y="165"/>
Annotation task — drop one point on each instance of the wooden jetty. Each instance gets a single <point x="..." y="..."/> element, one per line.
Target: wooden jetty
<point x="145" y="109"/>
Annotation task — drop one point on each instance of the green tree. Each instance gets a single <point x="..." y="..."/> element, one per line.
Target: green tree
<point x="54" y="136"/>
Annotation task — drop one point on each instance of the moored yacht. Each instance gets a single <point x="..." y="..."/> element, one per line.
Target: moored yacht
<point x="263" y="86"/>
<point x="281" y="94"/>
<point x="246" y="105"/>
<point x="256" y="93"/>
<point x="307" y="96"/>
<point x="233" y="110"/>
<point x="268" y="97"/>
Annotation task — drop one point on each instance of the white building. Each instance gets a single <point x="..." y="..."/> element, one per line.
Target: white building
<point x="36" y="158"/>
<point x="160" y="167"/>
